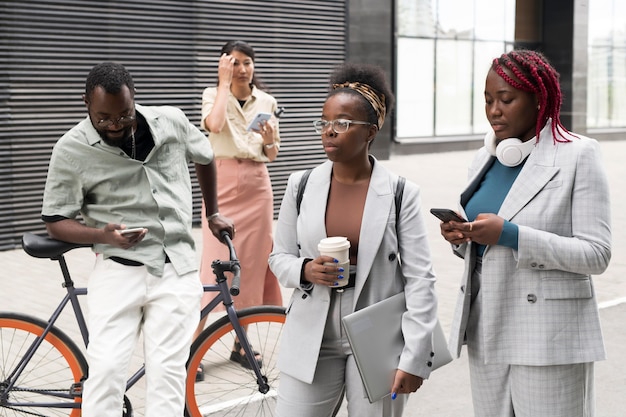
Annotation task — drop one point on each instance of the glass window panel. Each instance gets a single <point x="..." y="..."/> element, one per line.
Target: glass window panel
<point x="606" y="75"/>
<point x="455" y="18"/>
<point x="617" y="89"/>
<point x="414" y="97"/>
<point x="495" y="20"/>
<point x="416" y="18"/>
<point x="453" y="92"/>
<point x="484" y="53"/>
<point x="597" y="87"/>
<point x="600" y="21"/>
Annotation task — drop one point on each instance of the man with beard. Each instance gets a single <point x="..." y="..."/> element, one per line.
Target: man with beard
<point x="126" y="167"/>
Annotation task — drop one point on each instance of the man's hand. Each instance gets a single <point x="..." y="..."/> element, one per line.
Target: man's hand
<point x="219" y="223"/>
<point x="125" y="241"/>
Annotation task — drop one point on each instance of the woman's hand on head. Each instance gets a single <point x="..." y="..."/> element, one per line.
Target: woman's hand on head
<point x="225" y="69"/>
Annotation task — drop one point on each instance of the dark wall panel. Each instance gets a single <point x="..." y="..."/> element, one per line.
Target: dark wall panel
<point x="171" y="48"/>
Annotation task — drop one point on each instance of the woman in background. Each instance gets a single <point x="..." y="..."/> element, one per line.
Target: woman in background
<point x="244" y="190"/>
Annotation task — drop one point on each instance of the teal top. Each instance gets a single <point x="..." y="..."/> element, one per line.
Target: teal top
<point x="490" y="195"/>
<point x="104" y="185"/>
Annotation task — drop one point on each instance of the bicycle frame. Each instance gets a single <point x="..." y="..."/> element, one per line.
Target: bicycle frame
<point x="71" y="297"/>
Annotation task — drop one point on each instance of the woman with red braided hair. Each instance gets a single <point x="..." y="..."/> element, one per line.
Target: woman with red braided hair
<point x="538" y="205"/>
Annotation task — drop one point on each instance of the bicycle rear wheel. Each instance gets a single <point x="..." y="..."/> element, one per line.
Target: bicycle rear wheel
<point x="47" y="378"/>
<point x="228" y="388"/>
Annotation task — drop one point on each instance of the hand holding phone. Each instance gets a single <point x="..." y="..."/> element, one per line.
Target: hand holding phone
<point x="446" y="215"/>
<point x="258" y="119"/>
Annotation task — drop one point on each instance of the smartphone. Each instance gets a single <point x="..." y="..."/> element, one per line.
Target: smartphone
<point x="260" y="117"/>
<point x="446" y="215"/>
<point x="133" y="230"/>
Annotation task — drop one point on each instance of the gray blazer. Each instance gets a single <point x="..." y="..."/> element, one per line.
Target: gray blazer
<point x="539" y="305"/>
<point x="378" y="276"/>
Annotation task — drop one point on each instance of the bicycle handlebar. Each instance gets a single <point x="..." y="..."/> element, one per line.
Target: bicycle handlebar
<point x="235" y="267"/>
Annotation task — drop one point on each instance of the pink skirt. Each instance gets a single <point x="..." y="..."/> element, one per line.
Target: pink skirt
<point x="244" y="194"/>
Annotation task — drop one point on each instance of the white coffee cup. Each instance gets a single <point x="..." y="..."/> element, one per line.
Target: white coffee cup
<point x="337" y="247"/>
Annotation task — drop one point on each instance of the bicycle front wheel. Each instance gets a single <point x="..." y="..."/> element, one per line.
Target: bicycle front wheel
<point x="228" y="388"/>
<point x="49" y="383"/>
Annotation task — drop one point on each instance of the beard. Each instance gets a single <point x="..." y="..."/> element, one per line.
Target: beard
<point x="117" y="138"/>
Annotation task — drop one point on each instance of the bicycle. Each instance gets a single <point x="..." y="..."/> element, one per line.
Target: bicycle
<point x="42" y="369"/>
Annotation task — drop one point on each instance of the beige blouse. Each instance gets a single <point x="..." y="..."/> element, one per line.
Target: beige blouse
<point x="234" y="141"/>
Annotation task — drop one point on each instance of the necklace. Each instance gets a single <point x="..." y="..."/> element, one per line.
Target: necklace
<point x="133" y="144"/>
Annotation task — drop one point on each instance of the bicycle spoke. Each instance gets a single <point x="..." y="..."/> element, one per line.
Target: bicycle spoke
<point x="48" y="378"/>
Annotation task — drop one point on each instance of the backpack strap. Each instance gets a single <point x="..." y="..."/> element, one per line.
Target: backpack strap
<point x="398" y="197"/>
<point x="301" y="187"/>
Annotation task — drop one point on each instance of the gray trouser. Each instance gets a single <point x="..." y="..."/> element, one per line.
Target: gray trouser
<point x="335" y="368"/>
<point x="503" y="390"/>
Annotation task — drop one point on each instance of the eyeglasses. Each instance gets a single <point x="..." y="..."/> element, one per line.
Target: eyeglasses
<point x="122" y="121"/>
<point x="338" y="125"/>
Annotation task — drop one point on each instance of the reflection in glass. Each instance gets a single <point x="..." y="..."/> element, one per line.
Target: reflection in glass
<point x="444" y="49"/>
<point x="484" y="54"/>
<point x="414" y="108"/>
<point x="606" y="81"/>
<point x="453" y="91"/>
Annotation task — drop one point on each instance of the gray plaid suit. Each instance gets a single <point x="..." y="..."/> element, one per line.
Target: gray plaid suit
<point x="538" y="302"/>
<point x="540" y="307"/>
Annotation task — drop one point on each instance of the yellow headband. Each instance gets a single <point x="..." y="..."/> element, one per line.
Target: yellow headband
<point x="376" y="100"/>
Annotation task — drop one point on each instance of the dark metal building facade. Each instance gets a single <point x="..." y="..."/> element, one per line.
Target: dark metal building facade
<point x="171" y="48"/>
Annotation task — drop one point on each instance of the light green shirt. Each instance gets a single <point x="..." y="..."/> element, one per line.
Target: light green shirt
<point x="102" y="184"/>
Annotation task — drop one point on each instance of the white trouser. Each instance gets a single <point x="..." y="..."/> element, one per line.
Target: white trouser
<point x="335" y="369"/>
<point x="123" y="302"/>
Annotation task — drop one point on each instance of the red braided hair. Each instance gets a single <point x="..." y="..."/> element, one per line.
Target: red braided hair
<point x="535" y="75"/>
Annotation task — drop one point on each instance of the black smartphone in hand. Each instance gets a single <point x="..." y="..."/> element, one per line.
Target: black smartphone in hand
<point x="446" y="215"/>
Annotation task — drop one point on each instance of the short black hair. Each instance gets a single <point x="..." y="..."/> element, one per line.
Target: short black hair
<point x="111" y="76"/>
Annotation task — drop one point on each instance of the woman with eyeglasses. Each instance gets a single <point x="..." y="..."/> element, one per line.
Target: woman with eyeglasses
<point x="350" y="195"/>
<point x="244" y="190"/>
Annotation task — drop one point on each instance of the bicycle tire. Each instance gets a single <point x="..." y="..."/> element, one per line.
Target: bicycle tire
<point x="228" y="388"/>
<point x="57" y="364"/>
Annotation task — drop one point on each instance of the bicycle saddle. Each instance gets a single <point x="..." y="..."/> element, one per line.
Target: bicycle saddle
<point x="46" y="247"/>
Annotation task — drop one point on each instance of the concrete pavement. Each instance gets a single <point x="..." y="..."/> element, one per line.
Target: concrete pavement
<point x="33" y="285"/>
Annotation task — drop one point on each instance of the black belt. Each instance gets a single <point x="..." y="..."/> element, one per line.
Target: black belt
<point x="130" y="262"/>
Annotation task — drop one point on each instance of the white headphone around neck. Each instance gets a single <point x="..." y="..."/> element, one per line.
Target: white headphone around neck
<point x="510" y="152"/>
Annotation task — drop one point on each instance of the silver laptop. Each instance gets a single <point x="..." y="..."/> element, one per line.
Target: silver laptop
<point x="375" y="335"/>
